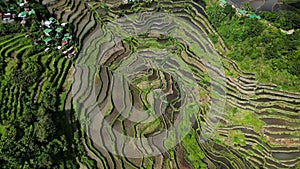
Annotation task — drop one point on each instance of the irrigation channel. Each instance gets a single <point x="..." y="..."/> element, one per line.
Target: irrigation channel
<point x="150" y="90"/>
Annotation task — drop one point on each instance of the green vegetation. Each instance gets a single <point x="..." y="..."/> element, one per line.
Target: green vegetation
<point x="34" y="131"/>
<point x="245" y="118"/>
<point x="282" y="19"/>
<point x="32" y="20"/>
<point x="258" y="147"/>
<point x="236" y="137"/>
<point x="245" y="125"/>
<point x="193" y="152"/>
<point x="8" y="28"/>
<point x="44" y="125"/>
<point x="29" y="136"/>
<point x="259" y="48"/>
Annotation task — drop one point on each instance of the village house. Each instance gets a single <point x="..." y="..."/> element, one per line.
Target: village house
<point x="47" y="24"/>
<point x="21" y="3"/>
<point x="31" y="12"/>
<point x="222" y="2"/>
<point x="48" y="40"/>
<point x="70" y="56"/>
<point x="23" y="22"/>
<point x="68" y="36"/>
<point x="64" y="42"/>
<point x="289" y="32"/>
<point x="68" y="50"/>
<point x="59" y="29"/>
<point x="254" y="16"/>
<point x="47" y="32"/>
<point x="7" y="17"/>
<point x="52" y="20"/>
<point x="11" y="8"/>
<point x="47" y="49"/>
<point x="22" y="14"/>
<point x="65" y="52"/>
<point x="241" y="11"/>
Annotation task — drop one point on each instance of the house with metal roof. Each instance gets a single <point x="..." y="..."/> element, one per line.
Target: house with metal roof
<point x="23" y="22"/>
<point x="59" y="29"/>
<point x="47" y="23"/>
<point x="47" y="49"/>
<point x="222" y="2"/>
<point x="64" y="42"/>
<point x="65" y="39"/>
<point x="52" y="20"/>
<point x="7" y="17"/>
<point x="22" y="14"/>
<point x="63" y="24"/>
<point x="31" y="12"/>
<point x="11" y="7"/>
<point x="47" y="31"/>
<point x="241" y="11"/>
<point x="68" y="36"/>
<point x="254" y="16"/>
<point x="47" y="40"/>
<point x="57" y="35"/>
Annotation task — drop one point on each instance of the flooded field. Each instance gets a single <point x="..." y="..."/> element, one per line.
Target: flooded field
<point x="150" y="91"/>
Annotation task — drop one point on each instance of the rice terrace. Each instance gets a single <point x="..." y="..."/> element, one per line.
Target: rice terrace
<point x="173" y="84"/>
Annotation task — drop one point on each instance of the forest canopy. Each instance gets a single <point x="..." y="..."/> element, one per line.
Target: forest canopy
<point x="258" y="46"/>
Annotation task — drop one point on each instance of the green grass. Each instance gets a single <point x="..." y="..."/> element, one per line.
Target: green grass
<point x="257" y="48"/>
<point x="257" y="147"/>
<point x="193" y="153"/>
<point x="170" y="141"/>
<point x="2" y="129"/>
<point x="246" y="118"/>
<point x="237" y="137"/>
<point x="250" y="152"/>
<point x="10" y="38"/>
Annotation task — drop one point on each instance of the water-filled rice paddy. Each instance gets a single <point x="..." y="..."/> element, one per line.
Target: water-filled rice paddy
<point x="147" y="78"/>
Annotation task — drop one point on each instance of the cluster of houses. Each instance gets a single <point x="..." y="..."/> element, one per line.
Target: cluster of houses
<point x="240" y="11"/>
<point x="55" y="34"/>
<point x="10" y="15"/>
<point x="243" y="12"/>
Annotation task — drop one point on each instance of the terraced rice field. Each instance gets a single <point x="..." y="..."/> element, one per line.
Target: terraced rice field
<point x="54" y="66"/>
<point x="52" y="69"/>
<point x="150" y="90"/>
